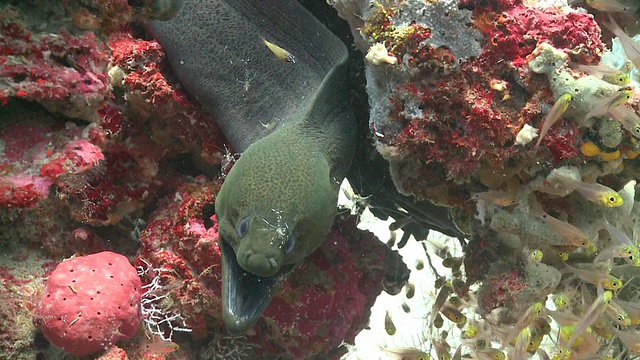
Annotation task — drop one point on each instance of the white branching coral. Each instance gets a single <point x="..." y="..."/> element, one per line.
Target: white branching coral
<point x="227" y="347"/>
<point x="158" y="318"/>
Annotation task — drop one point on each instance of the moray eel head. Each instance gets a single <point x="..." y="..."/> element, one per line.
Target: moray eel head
<point x="275" y="207"/>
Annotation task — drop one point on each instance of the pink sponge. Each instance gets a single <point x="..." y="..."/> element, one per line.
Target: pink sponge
<point x="89" y="303"/>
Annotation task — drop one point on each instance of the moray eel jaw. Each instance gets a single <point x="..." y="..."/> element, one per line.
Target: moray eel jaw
<point x="244" y="295"/>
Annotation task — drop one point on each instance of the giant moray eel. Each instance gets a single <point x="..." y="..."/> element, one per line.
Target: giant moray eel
<point x="290" y="120"/>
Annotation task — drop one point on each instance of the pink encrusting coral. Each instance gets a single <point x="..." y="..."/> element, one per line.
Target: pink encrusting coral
<point x="35" y="153"/>
<point x="63" y="72"/>
<point x="89" y="303"/>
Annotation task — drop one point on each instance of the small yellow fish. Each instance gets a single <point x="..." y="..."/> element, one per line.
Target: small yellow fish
<point x="562" y="300"/>
<point x="602" y="327"/>
<point x="279" y="52"/>
<point x="619" y="79"/>
<point x="565" y="332"/>
<point x="596" y="276"/>
<point x="563" y="255"/>
<point x="438" y="321"/>
<point x="491" y="354"/>
<point x="613" y="76"/>
<point x="628" y="118"/>
<point x="536" y="255"/>
<point x="627" y="252"/>
<point x="562" y="354"/>
<point x="580" y="345"/>
<point x="532" y="312"/>
<point x="389" y="326"/>
<point x="159" y="347"/>
<point x="520" y="347"/>
<point x="541" y="326"/>
<point x="557" y="110"/>
<point x="459" y="287"/>
<point x="454" y="315"/>
<point x="626" y="67"/>
<point x="605" y="105"/>
<point x="471" y="331"/>
<point x="596" y="193"/>
<point x="612" y="5"/>
<point x="442" y="349"/>
<point x="534" y="343"/>
<point x="480" y="344"/>
<point x="452" y="263"/>
<point x="405" y="353"/>
<point x="632" y="308"/>
<point x="572" y="234"/>
<point x="443" y="294"/>
<point x="611" y="282"/>
<point x="497" y="198"/>
<point x="410" y="290"/>
<point x="591" y="315"/>
<point x="455" y="301"/>
<point x="618" y="314"/>
<point x="406" y="308"/>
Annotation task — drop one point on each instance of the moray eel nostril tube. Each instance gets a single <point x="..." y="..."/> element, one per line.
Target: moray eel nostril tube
<point x="285" y="107"/>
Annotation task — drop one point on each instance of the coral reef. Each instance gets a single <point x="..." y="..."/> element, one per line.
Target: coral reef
<point x="466" y="111"/>
<point x="100" y="149"/>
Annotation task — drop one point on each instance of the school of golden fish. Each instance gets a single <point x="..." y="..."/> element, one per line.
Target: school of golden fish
<point x="594" y="311"/>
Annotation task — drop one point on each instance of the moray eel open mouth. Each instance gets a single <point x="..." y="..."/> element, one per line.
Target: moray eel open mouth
<point x="247" y="294"/>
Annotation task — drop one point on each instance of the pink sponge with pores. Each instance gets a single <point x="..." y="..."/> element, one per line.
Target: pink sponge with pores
<point x="89" y="303"/>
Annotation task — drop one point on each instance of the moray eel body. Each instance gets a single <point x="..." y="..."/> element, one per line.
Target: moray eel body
<point x="290" y="119"/>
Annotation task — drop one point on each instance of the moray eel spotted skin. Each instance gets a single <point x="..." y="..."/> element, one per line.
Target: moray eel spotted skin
<point x="290" y="120"/>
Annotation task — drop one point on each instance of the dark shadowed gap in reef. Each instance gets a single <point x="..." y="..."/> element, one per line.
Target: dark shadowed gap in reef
<point x="369" y="175"/>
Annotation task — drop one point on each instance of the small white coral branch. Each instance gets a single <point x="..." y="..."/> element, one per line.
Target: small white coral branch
<point x="159" y="320"/>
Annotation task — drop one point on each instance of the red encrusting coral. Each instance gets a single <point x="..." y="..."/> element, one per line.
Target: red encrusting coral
<point x="63" y="72"/>
<point x="137" y="68"/>
<point x="452" y="120"/>
<point x="31" y="160"/>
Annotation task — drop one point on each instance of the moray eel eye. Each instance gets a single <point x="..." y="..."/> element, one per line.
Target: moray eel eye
<point x="243" y="227"/>
<point x="288" y="246"/>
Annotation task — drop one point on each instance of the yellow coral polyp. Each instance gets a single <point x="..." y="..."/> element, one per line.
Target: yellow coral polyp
<point x="610" y="156"/>
<point x="589" y="149"/>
